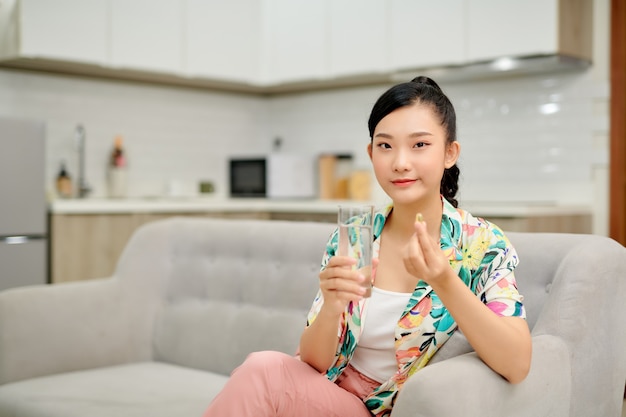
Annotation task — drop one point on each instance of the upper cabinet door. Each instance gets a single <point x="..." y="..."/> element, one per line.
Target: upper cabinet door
<point x="294" y="40"/>
<point x="71" y="30"/>
<point x="427" y="33"/>
<point x="358" y="37"/>
<point x="222" y="39"/>
<point x="504" y="28"/>
<point x="147" y="35"/>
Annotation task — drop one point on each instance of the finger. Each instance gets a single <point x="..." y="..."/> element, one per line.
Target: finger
<point x="340" y="284"/>
<point x="414" y="258"/>
<point x="351" y="275"/>
<point x="341" y="261"/>
<point x="426" y="243"/>
<point x="343" y="287"/>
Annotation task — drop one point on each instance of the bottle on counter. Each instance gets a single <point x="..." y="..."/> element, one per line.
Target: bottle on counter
<point x="118" y="158"/>
<point x="64" y="182"/>
<point x="117" y="175"/>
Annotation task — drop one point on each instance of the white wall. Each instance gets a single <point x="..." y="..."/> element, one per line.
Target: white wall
<point x="169" y="133"/>
<point x="511" y="150"/>
<point x="527" y="139"/>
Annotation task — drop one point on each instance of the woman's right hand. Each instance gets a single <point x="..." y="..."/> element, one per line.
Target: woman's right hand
<point x="340" y="284"/>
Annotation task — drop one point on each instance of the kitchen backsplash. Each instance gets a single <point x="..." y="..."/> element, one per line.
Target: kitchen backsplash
<point x="530" y="140"/>
<point x="172" y="136"/>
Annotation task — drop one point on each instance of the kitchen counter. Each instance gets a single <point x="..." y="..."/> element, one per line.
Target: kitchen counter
<point x="89" y="235"/>
<point x="249" y="205"/>
<point x="191" y="205"/>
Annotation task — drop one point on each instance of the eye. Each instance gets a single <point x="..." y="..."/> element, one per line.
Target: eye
<point x="384" y="145"/>
<point x="419" y="144"/>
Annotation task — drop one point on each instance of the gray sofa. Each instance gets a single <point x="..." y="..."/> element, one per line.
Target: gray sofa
<point x="190" y="298"/>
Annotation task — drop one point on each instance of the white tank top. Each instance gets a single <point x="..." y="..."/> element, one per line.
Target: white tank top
<point x="375" y="355"/>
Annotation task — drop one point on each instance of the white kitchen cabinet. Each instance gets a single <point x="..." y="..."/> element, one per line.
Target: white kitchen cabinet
<point x="147" y="35"/>
<point x="499" y="28"/>
<point x="222" y="39"/>
<point x="275" y="46"/>
<point x="295" y="40"/>
<point x="358" y="37"/>
<point x="425" y="33"/>
<point x="65" y="30"/>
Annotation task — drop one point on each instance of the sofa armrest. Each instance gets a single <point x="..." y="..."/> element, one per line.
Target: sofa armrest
<point x="66" y="327"/>
<point x="464" y="385"/>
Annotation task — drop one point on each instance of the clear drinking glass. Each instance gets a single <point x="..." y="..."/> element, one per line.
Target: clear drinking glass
<point x="356" y="240"/>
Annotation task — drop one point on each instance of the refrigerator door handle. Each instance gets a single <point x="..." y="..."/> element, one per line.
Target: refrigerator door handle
<point x="19" y="240"/>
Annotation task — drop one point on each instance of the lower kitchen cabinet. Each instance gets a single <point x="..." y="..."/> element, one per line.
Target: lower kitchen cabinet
<point x="566" y="223"/>
<point x="88" y="246"/>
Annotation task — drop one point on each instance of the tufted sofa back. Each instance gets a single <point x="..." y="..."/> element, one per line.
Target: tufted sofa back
<point x="541" y="256"/>
<point x="231" y="287"/>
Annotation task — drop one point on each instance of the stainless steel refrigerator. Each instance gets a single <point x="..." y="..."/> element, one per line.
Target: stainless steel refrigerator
<point x="23" y="212"/>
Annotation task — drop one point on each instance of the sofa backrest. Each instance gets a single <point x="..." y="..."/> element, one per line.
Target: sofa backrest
<point x="540" y="255"/>
<point x="543" y="257"/>
<point x="235" y="286"/>
<point x="574" y="288"/>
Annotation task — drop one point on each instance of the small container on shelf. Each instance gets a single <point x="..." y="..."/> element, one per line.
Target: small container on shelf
<point x="64" y="182"/>
<point x="117" y="175"/>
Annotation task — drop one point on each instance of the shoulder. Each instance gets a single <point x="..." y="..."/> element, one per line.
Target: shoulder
<point x="478" y="232"/>
<point x="480" y="235"/>
<point x="464" y="224"/>
<point x="473" y="226"/>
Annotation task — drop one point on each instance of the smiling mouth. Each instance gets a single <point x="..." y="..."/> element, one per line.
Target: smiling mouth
<point x="403" y="182"/>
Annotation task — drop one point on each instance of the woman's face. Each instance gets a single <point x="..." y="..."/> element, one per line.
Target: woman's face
<point x="409" y="154"/>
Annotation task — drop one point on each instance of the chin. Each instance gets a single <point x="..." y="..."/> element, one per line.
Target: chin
<point x="405" y="198"/>
<point x="408" y="197"/>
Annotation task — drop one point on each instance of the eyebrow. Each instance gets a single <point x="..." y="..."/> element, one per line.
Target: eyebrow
<point x="412" y="135"/>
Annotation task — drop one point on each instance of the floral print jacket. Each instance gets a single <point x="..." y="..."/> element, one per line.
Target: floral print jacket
<point x="481" y="256"/>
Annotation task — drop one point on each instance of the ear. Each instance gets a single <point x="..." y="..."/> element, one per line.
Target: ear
<point x="369" y="150"/>
<point x="453" y="151"/>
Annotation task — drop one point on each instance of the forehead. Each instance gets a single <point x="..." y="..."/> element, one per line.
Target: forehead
<point x="410" y="119"/>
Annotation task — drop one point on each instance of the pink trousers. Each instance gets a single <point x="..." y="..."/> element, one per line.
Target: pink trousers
<point x="273" y="384"/>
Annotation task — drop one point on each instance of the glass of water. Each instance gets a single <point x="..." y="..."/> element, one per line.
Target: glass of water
<point x="356" y="240"/>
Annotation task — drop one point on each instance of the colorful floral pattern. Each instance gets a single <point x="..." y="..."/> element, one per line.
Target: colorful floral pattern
<point x="481" y="256"/>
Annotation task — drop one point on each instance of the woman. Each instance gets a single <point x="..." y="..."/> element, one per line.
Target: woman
<point x="438" y="269"/>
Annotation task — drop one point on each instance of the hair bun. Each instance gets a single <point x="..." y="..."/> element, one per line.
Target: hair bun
<point x="422" y="79"/>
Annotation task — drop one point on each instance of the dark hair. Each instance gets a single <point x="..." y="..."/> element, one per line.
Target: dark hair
<point x="422" y="90"/>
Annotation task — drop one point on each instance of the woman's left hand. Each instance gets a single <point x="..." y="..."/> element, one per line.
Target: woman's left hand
<point x="424" y="258"/>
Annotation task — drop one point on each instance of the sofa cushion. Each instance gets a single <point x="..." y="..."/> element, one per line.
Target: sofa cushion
<point x="135" y="390"/>
<point x="217" y="336"/>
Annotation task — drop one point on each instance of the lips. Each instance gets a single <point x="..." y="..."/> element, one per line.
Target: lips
<point x="403" y="182"/>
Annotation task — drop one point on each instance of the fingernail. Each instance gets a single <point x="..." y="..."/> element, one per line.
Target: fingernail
<point x="419" y="218"/>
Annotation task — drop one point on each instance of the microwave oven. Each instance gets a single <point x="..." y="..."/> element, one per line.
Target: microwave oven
<point x="273" y="176"/>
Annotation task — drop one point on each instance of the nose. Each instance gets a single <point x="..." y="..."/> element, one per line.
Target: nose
<point x="401" y="161"/>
